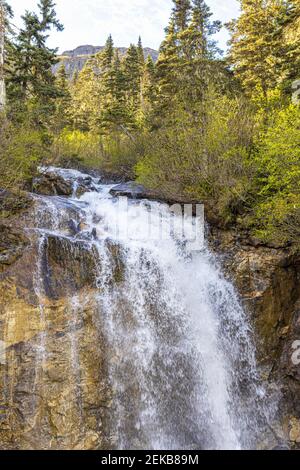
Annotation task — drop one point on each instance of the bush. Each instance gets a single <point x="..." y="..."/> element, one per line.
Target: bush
<point x="116" y="153"/>
<point x="205" y="156"/>
<point x="21" y="151"/>
<point x="277" y="212"/>
<point x="77" y="147"/>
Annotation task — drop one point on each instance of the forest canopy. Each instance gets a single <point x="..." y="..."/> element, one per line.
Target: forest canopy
<point x="196" y="124"/>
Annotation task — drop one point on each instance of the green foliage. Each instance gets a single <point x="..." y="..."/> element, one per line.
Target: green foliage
<point x="30" y="81"/>
<point x="192" y="125"/>
<point x="21" y="150"/>
<point x="115" y="153"/>
<point x="260" y="53"/>
<point x="277" y="211"/>
<point x="73" y="147"/>
<point x="212" y="163"/>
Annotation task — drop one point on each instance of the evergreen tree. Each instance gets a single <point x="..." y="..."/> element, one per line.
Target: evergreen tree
<point x="201" y="68"/>
<point x="167" y="67"/>
<point x="261" y="57"/>
<point x="181" y="14"/>
<point x="148" y="93"/>
<point x="108" y="54"/>
<point x="63" y="102"/>
<point x="31" y="80"/>
<point x="140" y="50"/>
<point x="5" y="32"/>
<point x="132" y="74"/>
<point x="115" y="111"/>
<point x="86" y="98"/>
<point x="200" y="31"/>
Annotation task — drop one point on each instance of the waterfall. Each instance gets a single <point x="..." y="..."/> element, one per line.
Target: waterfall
<point x="179" y="350"/>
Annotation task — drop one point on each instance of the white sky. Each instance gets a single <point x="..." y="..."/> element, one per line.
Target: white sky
<point x="91" y="21"/>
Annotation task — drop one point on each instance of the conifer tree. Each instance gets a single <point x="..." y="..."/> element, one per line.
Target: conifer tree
<point x="63" y="101"/>
<point x="200" y="31"/>
<point x="132" y="74"/>
<point x="31" y="78"/>
<point x="261" y="57"/>
<point x="181" y="14"/>
<point x="86" y="98"/>
<point x="167" y="66"/>
<point x="140" y="50"/>
<point x="148" y="93"/>
<point x="115" y="111"/>
<point x="6" y="14"/>
<point x="201" y="67"/>
<point x="107" y="54"/>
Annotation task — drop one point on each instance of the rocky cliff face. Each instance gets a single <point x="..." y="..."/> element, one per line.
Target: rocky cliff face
<point x="75" y="60"/>
<point x="54" y="386"/>
<point x="54" y="390"/>
<point x="268" y="280"/>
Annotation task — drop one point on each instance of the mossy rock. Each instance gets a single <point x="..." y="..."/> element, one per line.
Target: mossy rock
<point x="12" y="244"/>
<point x="13" y="203"/>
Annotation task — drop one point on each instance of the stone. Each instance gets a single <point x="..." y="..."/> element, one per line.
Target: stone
<point x="295" y="430"/>
<point x="133" y="190"/>
<point x="50" y="184"/>
<point x="12" y="244"/>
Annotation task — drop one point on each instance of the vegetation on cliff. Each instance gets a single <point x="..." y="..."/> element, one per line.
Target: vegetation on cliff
<point x="194" y="125"/>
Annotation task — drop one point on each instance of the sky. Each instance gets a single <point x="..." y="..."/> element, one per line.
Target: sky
<point x="91" y="21"/>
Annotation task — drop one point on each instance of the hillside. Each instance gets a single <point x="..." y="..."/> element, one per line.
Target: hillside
<point x="75" y="60"/>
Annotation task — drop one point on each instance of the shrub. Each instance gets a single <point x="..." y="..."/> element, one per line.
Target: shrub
<point x="277" y="211"/>
<point x="204" y="156"/>
<point x="21" y="151"/>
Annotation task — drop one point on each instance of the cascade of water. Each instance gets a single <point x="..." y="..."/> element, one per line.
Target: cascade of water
<point x="180" y="353"/>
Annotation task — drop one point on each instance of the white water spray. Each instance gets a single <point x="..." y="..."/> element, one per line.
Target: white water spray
<point x="179" y="351"/>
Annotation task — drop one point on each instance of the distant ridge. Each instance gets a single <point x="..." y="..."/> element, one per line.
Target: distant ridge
<point x="75" y="59"/>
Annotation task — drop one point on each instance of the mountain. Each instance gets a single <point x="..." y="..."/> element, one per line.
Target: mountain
<point x="75" y="60"/>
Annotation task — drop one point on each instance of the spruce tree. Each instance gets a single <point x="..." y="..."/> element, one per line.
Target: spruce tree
<point x="140" y="50"/>
<point x="261" y="58"/>
<point x="148" y="93"/>
<point x="6" y="14"/>
<point x="108" y="53"/>
<point x="86" y="98"/>
<point x="31" y="80"/>
<point x="63" y="101"/>
<point x="181" y="14"/>
<point x="132" y="73"/>
<point x="167" y="67"/>
<point x="201" y="67"/>
<point x="115" y="112"/>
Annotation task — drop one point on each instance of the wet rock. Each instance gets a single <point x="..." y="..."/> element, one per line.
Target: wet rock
<point x="54" y="389"/>
<point x="132" y="190"/>
<point x="136" y="191"/>
<point x="268" y="281"/>
<point x="12" y="244"/>
<point x="12" y="204"/>
<point x="51" y="184"/>
<point x="68" y="266"/>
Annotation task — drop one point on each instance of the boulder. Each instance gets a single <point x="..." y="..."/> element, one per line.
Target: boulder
<point x="50" y="184"/>
<point x="133" y="190"/>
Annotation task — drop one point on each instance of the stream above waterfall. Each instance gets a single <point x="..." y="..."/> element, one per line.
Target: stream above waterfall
<point x="179" y="352"/>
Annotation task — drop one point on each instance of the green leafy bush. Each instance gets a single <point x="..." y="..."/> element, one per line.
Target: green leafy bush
<point x="21" y="151"/>
<point x="277" y="210"/>
<point x="204" y="156"/>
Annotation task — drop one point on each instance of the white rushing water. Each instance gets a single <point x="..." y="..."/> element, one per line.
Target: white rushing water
<point x="180" y="355"/>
